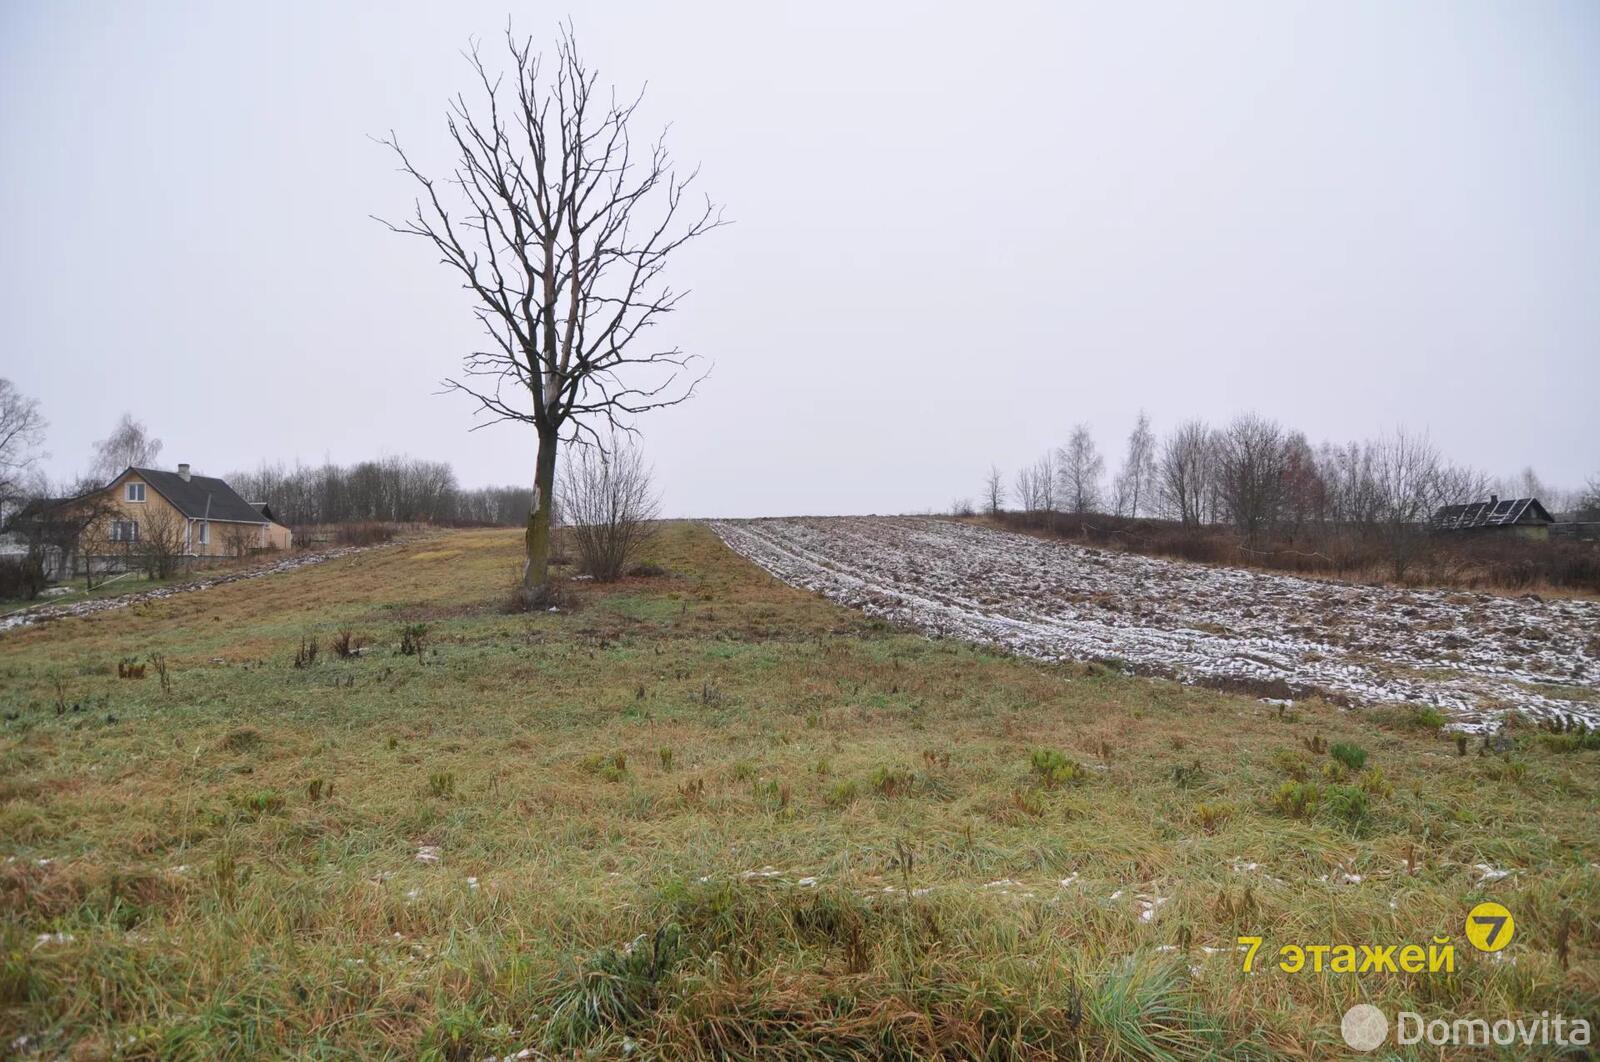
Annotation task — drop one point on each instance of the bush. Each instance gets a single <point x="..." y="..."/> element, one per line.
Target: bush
<point x="609" y="502"/>
<point x="21" y="578"/>
<point x="365" y="534"/>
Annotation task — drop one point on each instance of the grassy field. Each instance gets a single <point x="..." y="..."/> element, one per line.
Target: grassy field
<point x="701" y="813"/>
<point x="114" y="586"/>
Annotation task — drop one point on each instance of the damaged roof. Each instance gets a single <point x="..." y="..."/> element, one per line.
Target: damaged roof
<point x="1491" y="513"/>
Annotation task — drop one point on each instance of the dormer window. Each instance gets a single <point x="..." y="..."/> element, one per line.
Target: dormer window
<point x="136" y="492"/>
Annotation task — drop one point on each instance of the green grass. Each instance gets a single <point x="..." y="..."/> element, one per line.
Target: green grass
<point x="704" y="814"/>
<point x="111" y="586"/>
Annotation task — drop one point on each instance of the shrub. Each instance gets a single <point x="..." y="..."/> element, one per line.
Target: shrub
<point x="1352" y="756"/>
<point x="22" y="577"/>
<point x="370" y="533"/>
<point x="306" y="655"/>
<point x="609" y="502"/>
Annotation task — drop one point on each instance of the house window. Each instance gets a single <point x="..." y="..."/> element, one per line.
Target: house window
<point x="205" y="532"/>
<point x="136" y="492"/>
<point x="125" y="531"/>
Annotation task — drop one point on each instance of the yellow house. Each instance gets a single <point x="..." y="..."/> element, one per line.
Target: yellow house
<point x="197" y="516"/>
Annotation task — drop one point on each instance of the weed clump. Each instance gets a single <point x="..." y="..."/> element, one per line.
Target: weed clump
<point x="613" y="766"/>
<point x="1211" y="817"/>
<point x="1054" y="769"/>
<point x="414" y="640"/>
<point x="1297" y="799"/>
<point x="1352" y="756"/>
<point x="245" y="739"/>
<point x="842" y="793"/>
<point x="891" y="781"/>
<point x="347" y="643"/>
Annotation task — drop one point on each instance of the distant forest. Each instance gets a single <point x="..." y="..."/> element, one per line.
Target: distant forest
<point x="391" y="489"/>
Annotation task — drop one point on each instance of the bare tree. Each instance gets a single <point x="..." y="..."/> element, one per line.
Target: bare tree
<point x="1407" y="474"/>
<point x="608" y="500"/>
<point x="161" y="543"/>
<point x="1185" y="472"/>
<point x="21" y="432"/>
<point x="239" y="539"/>
<point x="994" y="491"/>
<point x="1027" y="493"/>
<point x="1081" y="468"/>
<point x="1589" y="500"/>
<point x="129" y="444"/>
<point x="1135" y="482"/>
<point x="1044" y="480"/>
<point x="1251" y="463"/>
<point x="563" y="236"/>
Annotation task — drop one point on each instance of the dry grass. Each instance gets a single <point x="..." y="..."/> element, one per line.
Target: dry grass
<point x="699" y="813"/>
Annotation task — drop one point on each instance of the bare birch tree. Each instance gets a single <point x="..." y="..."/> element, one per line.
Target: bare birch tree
<point x="562" y="229"/>
<point x="994" y="491"/>
<point x="1081" y="469"/>
<point x="1185" y="472"/>
<point x="1136" y="480"/>
<point x="130" y="445"/>
<point x="21" y="432"/>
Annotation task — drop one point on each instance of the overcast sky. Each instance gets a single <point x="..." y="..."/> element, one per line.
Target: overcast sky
<point x="959" y="230"/>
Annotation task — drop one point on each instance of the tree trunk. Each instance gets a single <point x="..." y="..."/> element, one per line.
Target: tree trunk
<point x="536" y="567"/>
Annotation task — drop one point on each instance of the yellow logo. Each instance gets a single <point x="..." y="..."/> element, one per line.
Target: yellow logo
<point x="1490" y="927"/>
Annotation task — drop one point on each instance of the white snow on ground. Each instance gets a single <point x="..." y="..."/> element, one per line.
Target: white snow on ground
<point x="1471" y="655"/>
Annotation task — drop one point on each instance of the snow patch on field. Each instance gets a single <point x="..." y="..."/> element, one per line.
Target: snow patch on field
<point x="1473" y="656"/>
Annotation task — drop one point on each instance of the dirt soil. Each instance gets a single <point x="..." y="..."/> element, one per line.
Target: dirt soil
<point x="1473" y="656"/>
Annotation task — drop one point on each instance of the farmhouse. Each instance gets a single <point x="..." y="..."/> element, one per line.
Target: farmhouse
<point x="1519" y="516"/>
<point x="203" y="515"/>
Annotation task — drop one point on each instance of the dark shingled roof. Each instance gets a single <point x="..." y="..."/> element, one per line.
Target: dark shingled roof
<point x="189" y="496"/>
<point x="1492" y="513"/>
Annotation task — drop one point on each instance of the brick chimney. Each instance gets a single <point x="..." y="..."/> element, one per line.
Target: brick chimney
<point x="183" y="473"/>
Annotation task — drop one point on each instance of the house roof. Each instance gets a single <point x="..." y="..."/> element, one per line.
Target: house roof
<point x="190" y="496"/>
<point x="1495" y="512"/>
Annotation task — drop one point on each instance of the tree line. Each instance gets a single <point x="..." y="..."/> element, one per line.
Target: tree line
<point x="390" y="490"/>
<point x="1262" y="479"/>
